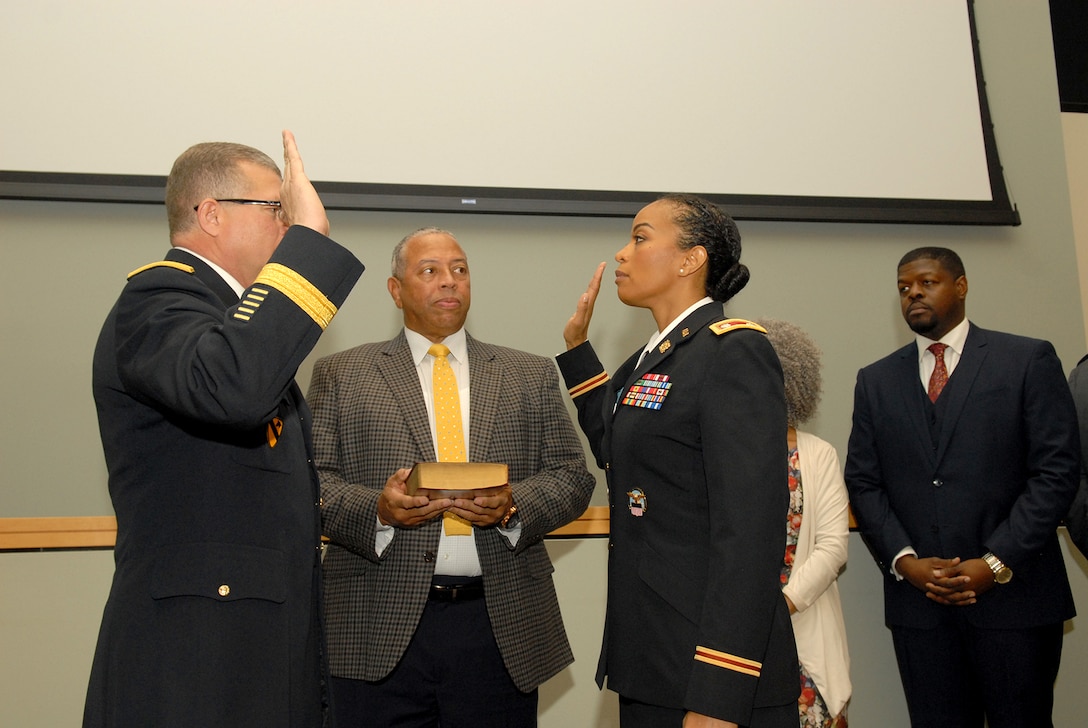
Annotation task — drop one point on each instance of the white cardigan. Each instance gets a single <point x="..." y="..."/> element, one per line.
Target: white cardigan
<point x="821" y="554"/>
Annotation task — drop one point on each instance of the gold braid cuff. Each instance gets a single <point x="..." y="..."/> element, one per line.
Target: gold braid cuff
<point x="303" y="293"/>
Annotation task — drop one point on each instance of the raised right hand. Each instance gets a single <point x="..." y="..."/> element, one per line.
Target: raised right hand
<point x="576" y="332"/>
<point x="300" y="202"/>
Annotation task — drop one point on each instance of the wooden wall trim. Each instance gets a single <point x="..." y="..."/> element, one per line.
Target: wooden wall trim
<point x="28" y="534"/>
<point x="82" y="532"/>
<point x="57" y="533"/>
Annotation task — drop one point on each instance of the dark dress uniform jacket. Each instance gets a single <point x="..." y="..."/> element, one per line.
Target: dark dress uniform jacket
<point x="213" y="616"/>
<point x="998" y="475"/>
<point x="370" y="420"/>
<point x="695" y="617"/>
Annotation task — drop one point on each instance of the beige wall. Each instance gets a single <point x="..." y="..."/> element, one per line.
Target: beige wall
<point x="64" y="263"/>
<point x="1075" y="135"/>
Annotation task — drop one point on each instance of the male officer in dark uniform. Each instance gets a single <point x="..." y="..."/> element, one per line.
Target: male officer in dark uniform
<point x="213" y="616"/>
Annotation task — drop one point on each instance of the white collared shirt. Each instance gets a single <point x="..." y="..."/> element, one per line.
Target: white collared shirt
<point x="230" y="280"/>
<point x="955" y="341"/>
<point x="659" y="336"/>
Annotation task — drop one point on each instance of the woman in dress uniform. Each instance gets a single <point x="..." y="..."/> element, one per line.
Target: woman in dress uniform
<point x="690" y="431"/>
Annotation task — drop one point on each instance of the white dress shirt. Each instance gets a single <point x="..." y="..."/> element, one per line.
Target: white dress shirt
<point x="230" y="280"/>
<point x="457" y="555"/>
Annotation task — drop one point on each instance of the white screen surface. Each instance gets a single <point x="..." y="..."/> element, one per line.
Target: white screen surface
<point x="837" y="98"/>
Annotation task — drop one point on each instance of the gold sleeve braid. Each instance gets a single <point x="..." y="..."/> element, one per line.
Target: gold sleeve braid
<point x="303" y="293"/>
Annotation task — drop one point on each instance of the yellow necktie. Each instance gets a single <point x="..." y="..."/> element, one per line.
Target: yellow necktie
<point x="448" y="427"/>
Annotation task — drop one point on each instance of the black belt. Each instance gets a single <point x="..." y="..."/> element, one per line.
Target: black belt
<point x="460" y="591"/>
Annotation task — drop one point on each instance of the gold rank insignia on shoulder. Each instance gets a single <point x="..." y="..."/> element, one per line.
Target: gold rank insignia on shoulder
<point x="726" y="325"/>
<point x="163" y="264"/>
<point x="665" y="346"/>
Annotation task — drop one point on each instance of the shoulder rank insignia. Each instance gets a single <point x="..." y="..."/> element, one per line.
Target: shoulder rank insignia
<point x="726" y="325"/>
<point x="163" y="264"/>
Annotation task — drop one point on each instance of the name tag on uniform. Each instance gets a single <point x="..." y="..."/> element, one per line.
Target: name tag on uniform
<point x="649" y="391"/>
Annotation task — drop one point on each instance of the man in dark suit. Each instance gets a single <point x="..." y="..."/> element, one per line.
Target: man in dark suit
<point x="213" y="616"/>
<point x="962" y="461"/>
<point x="426" y="623"/>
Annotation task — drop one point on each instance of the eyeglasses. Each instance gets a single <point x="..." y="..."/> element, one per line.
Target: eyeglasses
<point x="239" y="201"/>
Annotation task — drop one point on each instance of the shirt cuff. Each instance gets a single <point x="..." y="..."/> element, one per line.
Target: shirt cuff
<point x="383" y="536"/>
<point x="513" y="534"/>
<point x="908" y="550"/>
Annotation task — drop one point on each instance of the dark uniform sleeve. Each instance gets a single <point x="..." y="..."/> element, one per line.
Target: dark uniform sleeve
<point x="179" y="352"/>
<point x="745" y="656"/>
<point x="586" y="381"/>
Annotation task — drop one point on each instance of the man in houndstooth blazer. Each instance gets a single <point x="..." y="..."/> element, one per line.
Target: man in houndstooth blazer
<point x="486" y="624"/>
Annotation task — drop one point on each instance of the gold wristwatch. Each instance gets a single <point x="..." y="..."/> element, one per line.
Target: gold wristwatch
<point x="1002" y="573"/>
<point x="511" y="518"/>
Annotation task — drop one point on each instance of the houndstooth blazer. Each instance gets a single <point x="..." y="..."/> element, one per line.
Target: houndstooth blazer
<point x="369" y="420"/>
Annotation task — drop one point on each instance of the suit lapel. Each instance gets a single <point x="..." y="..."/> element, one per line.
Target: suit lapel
<point x="399" y="373"/>
<point x="485" y="388"/>
<point x="970" y="363"/>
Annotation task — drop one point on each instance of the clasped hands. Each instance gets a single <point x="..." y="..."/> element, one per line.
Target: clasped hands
<point x="947" y="581"/>
<point x="397" y="508"/>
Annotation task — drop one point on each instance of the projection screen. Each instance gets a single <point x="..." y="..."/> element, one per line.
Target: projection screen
<point x="857" y="110"/>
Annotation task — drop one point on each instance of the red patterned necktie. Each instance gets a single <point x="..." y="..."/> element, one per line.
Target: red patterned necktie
<point x="939" y="378"/>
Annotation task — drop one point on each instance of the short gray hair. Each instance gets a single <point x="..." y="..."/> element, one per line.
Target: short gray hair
<point x="800" y="358"/>
<point x="398" y="263"/>
<point x="209" y="169"/>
